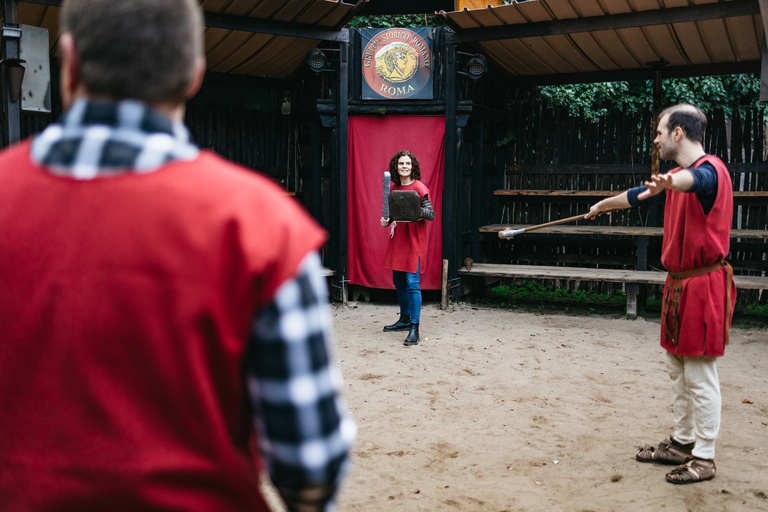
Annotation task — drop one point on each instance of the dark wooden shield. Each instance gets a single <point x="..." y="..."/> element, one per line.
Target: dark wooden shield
<point x="404" y="205"/>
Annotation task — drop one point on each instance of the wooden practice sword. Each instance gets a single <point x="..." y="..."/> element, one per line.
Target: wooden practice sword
<point x="509" y="233"/>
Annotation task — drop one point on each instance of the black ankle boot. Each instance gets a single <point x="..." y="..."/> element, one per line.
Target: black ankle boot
<point x="401" y="325"/>
<point x="413" y="335"/>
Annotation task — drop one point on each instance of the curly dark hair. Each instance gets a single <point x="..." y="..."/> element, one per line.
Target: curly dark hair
<point x="415" y="170"/>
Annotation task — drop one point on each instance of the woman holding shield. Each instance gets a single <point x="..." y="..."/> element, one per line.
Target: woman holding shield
<point x="407" y="246"/>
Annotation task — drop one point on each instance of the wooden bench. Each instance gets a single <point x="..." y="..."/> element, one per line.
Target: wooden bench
<point x="634" y="278"/>
<point x="639" y="233"/>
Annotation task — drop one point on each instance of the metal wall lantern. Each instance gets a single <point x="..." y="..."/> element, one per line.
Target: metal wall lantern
<point x="317" y="60"/>
<point x="477" y="67"/>
<point x="14" y="69"/>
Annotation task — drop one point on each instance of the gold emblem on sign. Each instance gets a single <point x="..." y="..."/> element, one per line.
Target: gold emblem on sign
<point x="397" y="62"/>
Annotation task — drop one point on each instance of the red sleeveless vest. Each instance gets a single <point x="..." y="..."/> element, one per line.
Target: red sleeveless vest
<point x="695" y="240"/>
<point x="125" y="306"/>
<point x="410" y="240"/>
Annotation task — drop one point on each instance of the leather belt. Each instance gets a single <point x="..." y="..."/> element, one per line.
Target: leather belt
<point x="671" y="305"/>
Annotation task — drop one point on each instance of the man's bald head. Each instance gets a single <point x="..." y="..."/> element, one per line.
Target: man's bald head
<point x="690" y="119"/>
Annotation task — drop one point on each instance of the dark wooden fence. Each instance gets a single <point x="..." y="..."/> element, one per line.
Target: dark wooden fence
<point x="545" y="148"/>
<point x="253" y="138"/>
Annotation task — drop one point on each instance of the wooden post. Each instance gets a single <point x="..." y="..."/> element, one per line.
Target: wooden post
<point x="451" y="173"/>
<point x="444" y="286"/>
<point x="343" y="133"/>
<point x="633" y="290"/>
<point x="657" y="99"/>
<point x="11" y="35"/>
<point x="479" y="203"/>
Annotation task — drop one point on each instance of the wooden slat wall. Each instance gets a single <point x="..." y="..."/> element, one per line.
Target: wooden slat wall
<point x="548" y="145"/>
<point x="255" y="139"/>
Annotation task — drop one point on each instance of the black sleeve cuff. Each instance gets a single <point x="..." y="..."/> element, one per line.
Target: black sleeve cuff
<point x="633" y="193"/>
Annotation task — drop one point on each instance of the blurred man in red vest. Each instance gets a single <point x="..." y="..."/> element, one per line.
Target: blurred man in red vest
<point x="162" y="317"/>
<point x="699" y="295"/>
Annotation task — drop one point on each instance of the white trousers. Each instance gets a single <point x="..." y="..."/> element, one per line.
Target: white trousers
<point x="696" y="402"/>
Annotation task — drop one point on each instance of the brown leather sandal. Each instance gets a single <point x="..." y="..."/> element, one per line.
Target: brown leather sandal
<point x="669" y="452"/>
<point x="695" y="470"/>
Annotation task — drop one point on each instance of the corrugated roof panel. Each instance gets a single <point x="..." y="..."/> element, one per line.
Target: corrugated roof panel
<point x="667" y="44"/>
<point x="235" y="48"/>
<point x="282" y="57"/>
<point x="230" y="42"/>
<point x="617" y="6"/>
<point x="528" y="12"/>
<point x="746" y="40"/>
<point x="638" y="44"/>
<point x="251" y="8"/>
<point x="278" y="11"/>
<point x="542" y="11"/>
<point x="505" y="56"/>
<point x="557" y="60"/>
<point x="690" y="38"/>
<point x="583" y="9"/>
<point x="593" y="51"/>
<point x="536" y="54"/>
<point x="567" y="48"/>
<point x="328" y="15"/>
<point x="702" y="42"/>
<point x="613" y="45"/>
<point x="656" y="4"/>
<point x="717" y="40"/>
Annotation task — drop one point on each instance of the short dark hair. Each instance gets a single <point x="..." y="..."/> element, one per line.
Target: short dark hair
<point x="137" y="49"/>
<point x="415" y="170"/>
<point x="691" y="119"/>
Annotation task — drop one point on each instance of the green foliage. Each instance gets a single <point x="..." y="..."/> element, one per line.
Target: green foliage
<point x="533" y="291"/>
<point x="530" y="295"/>
<point x="397" y="20"/>
<point x="598" y="98"/>
<point x="754" y="310"/>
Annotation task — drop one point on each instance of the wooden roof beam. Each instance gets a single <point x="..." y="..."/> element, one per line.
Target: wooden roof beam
<point x="255" y="25"/>
<point x="610" y="22"/>
<point x="626" y="75"/>
<point x="764" y="70"/>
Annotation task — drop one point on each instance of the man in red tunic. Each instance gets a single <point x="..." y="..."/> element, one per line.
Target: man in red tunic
<point x="699" y="295"/>
<point x="164" y="326"/>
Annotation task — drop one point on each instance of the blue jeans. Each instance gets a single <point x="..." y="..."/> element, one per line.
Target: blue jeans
<point x="408" y="288"/>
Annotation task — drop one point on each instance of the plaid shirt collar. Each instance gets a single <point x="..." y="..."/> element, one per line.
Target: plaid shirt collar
<point x="96" y="139"/>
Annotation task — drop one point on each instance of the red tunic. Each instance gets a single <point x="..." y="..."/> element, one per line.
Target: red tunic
<point x="410" y="240"/>
<point x="125" y="308"/>
<point x="694" y="240"/>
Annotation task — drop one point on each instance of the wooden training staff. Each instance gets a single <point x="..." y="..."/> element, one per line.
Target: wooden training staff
<point x="509" y="233"/>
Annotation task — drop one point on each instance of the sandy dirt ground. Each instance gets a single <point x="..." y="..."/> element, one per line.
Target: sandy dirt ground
<point x="505" y="411"/>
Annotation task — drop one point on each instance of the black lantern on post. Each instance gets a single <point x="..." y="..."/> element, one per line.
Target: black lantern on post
<point x="477" y="66"/>
<point x="317" y="61"/>
<point x="15" y="69"/>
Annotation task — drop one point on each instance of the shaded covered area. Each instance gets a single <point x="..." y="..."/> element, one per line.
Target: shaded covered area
<point x="262" y="106"/>
<point x="578" y="41"/>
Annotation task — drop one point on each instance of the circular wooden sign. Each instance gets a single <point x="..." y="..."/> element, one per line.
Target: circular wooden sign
<point x="397" y="63"/>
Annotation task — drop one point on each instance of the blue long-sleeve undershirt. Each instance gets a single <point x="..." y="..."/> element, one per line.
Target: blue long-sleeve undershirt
<point x="704" y="186"/>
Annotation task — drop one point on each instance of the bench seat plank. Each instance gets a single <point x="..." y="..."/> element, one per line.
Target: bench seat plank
<point x="592" y="274"/>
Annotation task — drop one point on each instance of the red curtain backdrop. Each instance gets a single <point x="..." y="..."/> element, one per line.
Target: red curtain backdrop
<point x="372" y="142"/>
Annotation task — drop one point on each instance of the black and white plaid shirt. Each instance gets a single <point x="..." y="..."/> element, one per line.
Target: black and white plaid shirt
<point x="305" y="430"/>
